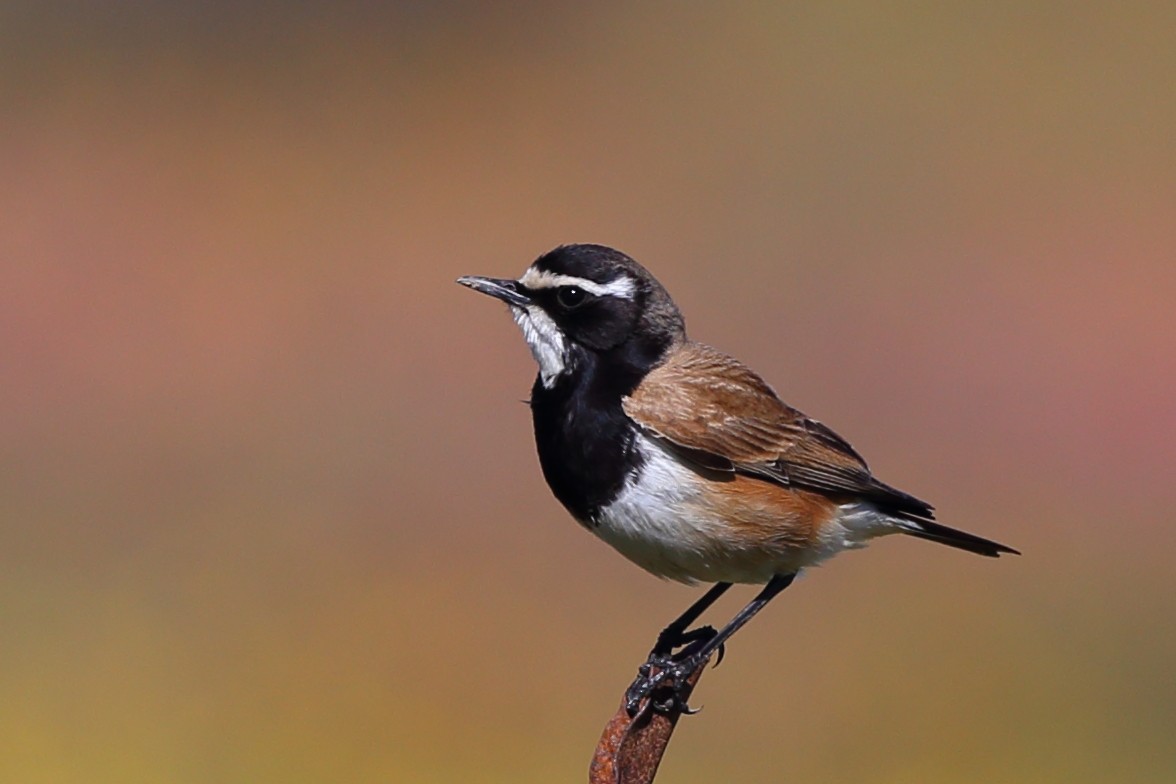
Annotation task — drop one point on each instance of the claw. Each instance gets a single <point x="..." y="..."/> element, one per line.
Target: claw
<point x="664" y="665"/>
<point x="719" y="655"/>
<point x="650" y="690"/>
<point x="663" y="707"/>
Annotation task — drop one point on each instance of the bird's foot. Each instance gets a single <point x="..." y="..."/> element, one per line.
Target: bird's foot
<point x="662" y="679"/>
<point x="664" y="688"/>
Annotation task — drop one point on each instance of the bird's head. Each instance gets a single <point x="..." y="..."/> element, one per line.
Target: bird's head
<point x="581" y="300"/>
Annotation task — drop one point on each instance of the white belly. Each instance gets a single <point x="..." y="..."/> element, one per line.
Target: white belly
<point x="661" y="524"/>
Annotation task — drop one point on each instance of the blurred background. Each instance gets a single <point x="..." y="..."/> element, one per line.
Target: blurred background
<point x="269" y="503"/>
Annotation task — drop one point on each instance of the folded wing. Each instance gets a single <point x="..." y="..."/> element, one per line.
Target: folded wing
<point x="718" y="413"/>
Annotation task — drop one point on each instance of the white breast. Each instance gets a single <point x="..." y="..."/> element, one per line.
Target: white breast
<point x="648" y="522"/>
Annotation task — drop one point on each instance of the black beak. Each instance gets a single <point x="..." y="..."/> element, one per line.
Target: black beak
<point x="509" y="291"/>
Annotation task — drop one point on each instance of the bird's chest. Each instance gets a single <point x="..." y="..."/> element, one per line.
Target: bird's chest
<point x="586" y="448"/>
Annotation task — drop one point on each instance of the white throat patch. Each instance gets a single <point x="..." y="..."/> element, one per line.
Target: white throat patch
<point x="547" y="343"/>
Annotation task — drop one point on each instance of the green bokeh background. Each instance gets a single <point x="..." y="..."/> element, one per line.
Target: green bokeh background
<point x="269" y="506"/>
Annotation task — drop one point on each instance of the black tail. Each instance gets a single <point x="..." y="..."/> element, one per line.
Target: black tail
<point x="924" y="528"/>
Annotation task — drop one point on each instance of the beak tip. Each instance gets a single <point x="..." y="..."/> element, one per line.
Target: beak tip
<point x="505" y="290"/>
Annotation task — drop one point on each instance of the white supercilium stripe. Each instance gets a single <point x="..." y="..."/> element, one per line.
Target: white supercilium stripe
<point x="623" y="287"/>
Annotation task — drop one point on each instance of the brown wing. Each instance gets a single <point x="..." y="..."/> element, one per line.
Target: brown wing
<point x="721" y="415"/>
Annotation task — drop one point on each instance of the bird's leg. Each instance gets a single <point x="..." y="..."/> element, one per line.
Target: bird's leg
<point x="676" y="669"/>
<point x="675" y="635"/>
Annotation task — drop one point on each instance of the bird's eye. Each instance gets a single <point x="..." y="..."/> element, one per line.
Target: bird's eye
<point x="570" y="297"/>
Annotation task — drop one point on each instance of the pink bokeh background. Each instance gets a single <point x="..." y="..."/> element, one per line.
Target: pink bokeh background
<point x="269" y="507"/>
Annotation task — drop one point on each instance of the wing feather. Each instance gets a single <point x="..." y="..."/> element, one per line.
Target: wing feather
<point x="722" y="416"/>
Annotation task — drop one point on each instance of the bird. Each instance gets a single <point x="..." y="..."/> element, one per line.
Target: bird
<point x="682" y="458"/>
